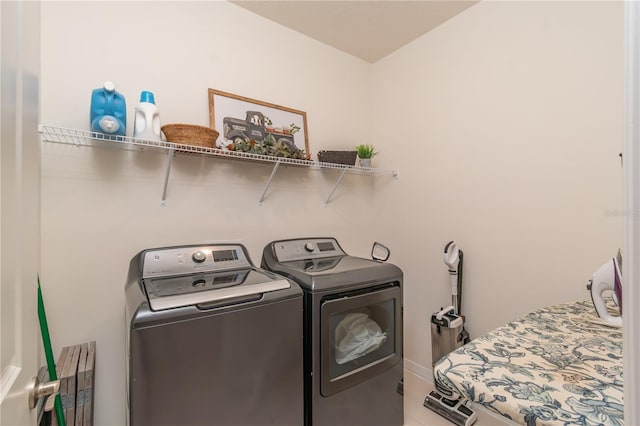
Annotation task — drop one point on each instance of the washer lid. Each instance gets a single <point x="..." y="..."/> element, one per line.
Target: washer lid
<point x="195" y="289"/>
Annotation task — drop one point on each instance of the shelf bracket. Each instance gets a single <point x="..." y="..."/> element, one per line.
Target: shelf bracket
<point x="335" y="186"/>
<point x="163" y="201"/>
<point x="266" y="188"/>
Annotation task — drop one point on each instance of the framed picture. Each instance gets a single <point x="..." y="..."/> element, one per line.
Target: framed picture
<point x="258" y="127"/>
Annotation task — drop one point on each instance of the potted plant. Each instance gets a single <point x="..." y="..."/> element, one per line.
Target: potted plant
<point x="365" y="154"/>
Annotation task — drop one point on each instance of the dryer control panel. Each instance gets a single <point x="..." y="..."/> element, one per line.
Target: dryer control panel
<point x="307" y="248"/>
<point x="166" y="262"/>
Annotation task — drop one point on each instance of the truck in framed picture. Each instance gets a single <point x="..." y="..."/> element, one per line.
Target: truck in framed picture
<point x="258" y="127"/>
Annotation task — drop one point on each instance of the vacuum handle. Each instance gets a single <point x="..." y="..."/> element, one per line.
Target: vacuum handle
<point x="442" y="313"/>
<point x="454" y="284"/>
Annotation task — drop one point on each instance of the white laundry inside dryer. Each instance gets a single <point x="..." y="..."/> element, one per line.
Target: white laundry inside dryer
<point x="357" y="335"/>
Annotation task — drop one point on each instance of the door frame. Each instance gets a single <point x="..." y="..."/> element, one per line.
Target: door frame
<point x="20" y="353"/>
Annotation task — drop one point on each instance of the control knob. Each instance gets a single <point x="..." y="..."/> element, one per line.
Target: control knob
<point x="308" y="247"/>
<point x="199" y="256"/>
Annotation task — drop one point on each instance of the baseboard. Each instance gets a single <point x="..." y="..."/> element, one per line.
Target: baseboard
<point x="419" y="370"/>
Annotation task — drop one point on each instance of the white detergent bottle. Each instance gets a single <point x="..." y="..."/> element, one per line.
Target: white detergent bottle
<point x="146" y="124"/>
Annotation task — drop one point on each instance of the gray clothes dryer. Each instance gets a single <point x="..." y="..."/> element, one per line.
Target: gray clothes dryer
<point x="212" y="340"/>
<point x="353" y="332"/>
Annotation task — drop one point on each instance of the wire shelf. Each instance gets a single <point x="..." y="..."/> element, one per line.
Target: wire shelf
<point x="87" y="138"/>
<point x="77" y="137"/>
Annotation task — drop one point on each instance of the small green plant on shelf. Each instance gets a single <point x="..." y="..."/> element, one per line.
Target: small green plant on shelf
<point x="366" y="151"/>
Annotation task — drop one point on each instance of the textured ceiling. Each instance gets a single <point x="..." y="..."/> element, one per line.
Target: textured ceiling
<point x="369" y="30"/>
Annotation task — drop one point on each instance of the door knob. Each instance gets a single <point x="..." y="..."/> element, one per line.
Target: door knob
<point x="38" y="390"/>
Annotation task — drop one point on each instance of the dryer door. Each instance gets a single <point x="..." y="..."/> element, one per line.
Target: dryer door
<point x="361" y="336"/>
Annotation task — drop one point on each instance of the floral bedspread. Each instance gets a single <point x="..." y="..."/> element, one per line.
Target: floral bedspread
<point x="555" y="366"/>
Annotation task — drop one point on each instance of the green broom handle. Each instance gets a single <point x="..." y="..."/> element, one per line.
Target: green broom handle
<point x="48" y="352"/>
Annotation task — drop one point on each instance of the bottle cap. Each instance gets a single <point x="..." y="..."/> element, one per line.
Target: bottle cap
<point x="147" y="97"/>
<point x="109" y="86"/>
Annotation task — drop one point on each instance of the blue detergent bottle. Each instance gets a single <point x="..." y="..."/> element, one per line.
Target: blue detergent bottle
<point x="108" y="110"/>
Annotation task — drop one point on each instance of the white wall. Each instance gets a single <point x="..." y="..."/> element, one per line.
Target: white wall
<point x="506" y="124"/>
<point x="100" y="206"/>
<point x="515" y="108"/>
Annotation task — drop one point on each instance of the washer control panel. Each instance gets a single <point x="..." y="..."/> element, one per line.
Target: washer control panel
<point x="307" y="248"/>
<point x="171" y="261"/>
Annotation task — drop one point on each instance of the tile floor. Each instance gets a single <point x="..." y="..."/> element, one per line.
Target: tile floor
<point x="415" y="414"/>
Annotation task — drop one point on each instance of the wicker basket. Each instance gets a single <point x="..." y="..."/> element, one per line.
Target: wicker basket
<point x="338" y="157"/>
<point x="190" y="134"/>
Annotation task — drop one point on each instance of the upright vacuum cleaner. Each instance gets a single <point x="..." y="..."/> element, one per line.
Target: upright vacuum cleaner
<point x="447" y="335"/>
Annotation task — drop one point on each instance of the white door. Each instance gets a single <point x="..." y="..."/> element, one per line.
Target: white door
<point x="19" y="208"/>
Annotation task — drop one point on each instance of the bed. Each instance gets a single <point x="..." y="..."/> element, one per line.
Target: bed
<point x="555" y="366"/>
